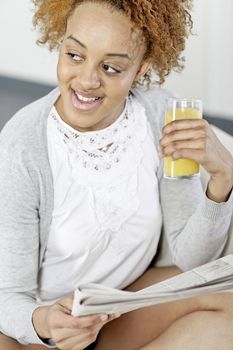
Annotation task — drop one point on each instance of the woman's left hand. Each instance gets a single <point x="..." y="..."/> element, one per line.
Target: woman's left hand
<point x="195" y="139"/>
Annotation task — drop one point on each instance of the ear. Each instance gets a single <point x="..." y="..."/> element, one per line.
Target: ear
<point x="143" y="69"/>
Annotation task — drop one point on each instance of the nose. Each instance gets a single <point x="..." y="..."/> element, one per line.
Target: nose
<point x="88" y="78"/>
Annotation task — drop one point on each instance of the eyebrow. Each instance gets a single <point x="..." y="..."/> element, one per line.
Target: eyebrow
<point x="123" y="55"/>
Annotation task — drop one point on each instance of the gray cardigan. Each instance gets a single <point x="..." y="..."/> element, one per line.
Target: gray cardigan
<point x="195" y="226"/>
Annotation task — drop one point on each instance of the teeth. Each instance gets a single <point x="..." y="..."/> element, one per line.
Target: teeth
<point x="85" y="99"/>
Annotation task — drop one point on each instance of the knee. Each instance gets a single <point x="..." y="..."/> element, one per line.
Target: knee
<point x="225" y="311"/>
<point x="227" y="322"/>
<point x="216" y="302"/>
<point x="225" y="303"/>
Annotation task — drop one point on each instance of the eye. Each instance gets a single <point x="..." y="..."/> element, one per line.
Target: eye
<point x="74" y="56"/>
<point x="110" y="69"/>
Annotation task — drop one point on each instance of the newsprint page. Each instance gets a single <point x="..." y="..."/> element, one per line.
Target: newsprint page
<point x="213" y="277"/>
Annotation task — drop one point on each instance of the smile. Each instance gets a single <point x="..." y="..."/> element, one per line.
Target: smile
<point x="85" y="103"/>
<point x="86" y="99"/>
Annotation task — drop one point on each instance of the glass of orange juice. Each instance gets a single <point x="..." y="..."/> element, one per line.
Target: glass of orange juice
<point x="177" y="109"/>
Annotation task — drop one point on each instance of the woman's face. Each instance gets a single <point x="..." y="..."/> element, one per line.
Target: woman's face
<point x="99" y="60"/>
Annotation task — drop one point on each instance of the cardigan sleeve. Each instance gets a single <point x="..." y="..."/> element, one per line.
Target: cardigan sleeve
<point x="195" y="226"/>
<point x="19" y="247"/>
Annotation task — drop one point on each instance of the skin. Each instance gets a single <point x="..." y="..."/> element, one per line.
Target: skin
<point x="195" y="139"/>
<point x="203" y="323"/>
<point x="85" y="65"/>
<point x="90" y="69"/>
<point x="92" y="62"/>
<point x="175" y="325"/>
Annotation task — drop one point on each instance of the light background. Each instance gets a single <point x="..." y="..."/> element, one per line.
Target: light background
<point x="208" y="71"/>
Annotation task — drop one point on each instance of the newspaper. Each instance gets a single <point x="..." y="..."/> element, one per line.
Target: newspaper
<point x="213" y="277"/>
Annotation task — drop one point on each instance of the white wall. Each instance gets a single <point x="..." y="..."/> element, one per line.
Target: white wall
<point x="19" y="55"/>
<point x="208" y="72"/>
<point x="220" y="54"/>
<point x="190" y="82"/>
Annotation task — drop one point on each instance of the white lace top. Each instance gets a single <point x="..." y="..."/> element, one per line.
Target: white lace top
<point x="106" y="220"/>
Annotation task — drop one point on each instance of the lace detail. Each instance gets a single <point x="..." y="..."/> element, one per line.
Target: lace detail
<point x="106" y="162"/>
<point x="98" y="150"/>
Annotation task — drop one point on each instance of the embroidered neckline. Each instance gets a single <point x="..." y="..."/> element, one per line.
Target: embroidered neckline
<point x="109" y="176"/>
<point x="98" y="150"/>
<point x="79" y="134"/>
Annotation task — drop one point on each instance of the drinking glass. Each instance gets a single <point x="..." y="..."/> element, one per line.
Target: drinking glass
<point x="177" y="109"/>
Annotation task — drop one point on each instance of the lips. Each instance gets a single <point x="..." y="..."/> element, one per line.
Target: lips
<point x="84" y="101"/>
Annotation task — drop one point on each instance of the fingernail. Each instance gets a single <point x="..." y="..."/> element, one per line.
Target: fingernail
<point x="116" y="315"/>
<point x="160" y="154"/>
<point x="104" y="317"/>
<point x="160" y="151"/>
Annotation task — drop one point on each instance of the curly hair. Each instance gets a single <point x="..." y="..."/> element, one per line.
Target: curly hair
<point x="165" y="25"/>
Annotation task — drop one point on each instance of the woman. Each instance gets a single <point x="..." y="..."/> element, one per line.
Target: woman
<point x="82" y="195"/>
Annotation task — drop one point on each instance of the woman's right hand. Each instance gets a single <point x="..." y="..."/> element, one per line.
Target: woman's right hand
<point x="55" y="322"/>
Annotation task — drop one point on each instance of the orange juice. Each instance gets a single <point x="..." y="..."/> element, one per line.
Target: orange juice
<point x="183" y="166"/>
